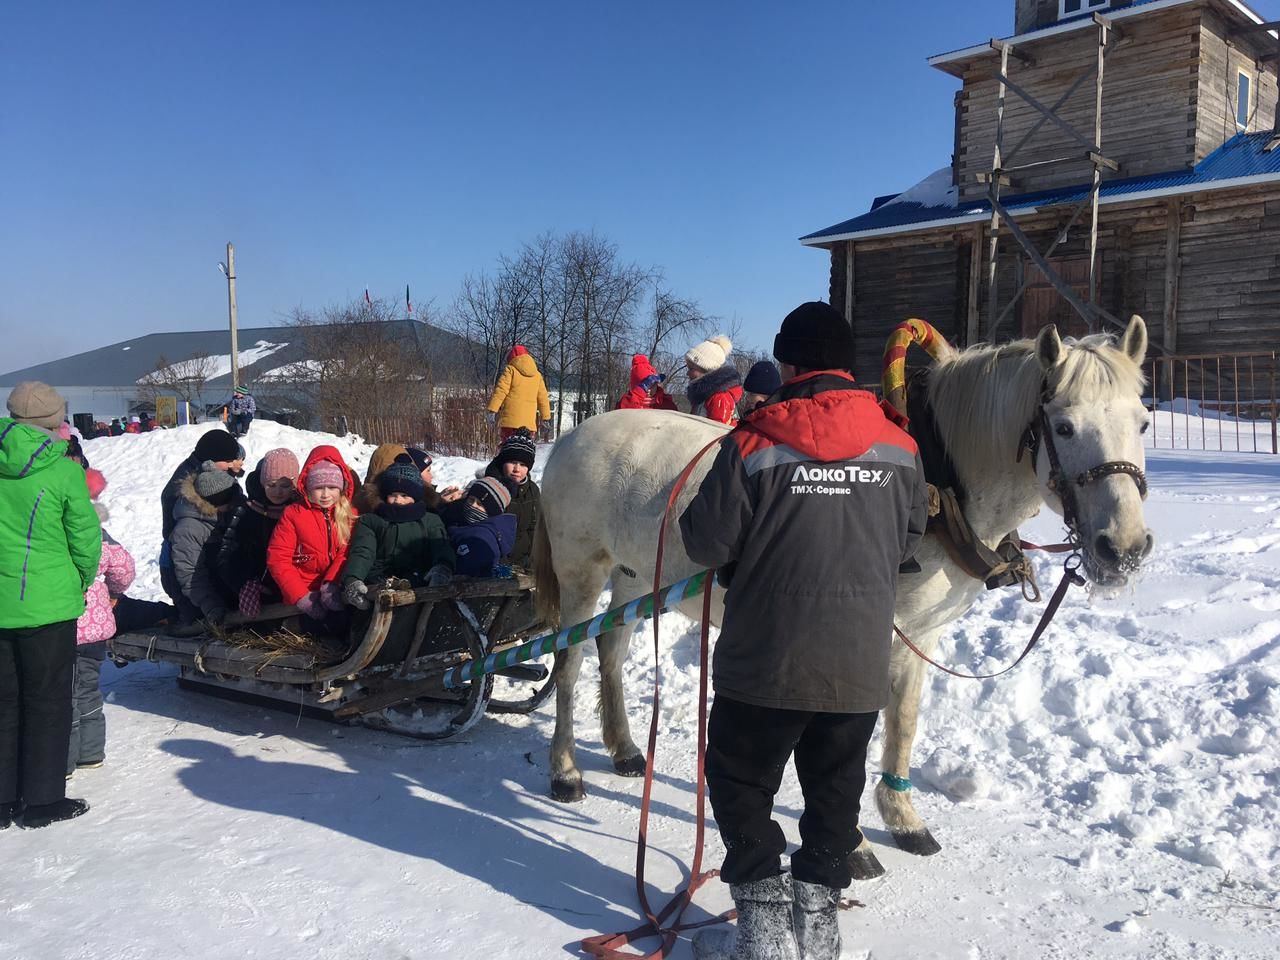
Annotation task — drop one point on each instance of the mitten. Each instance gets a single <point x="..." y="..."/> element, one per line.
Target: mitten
<point x="492" y="418"/>
<point x="503" y="571"/>
<point x="311" y="605"/>
<point x="250" y="601"/>
<point x="356" y="595"/>
<point x="331" y="597"/>
<point x="216" y="616"/>
<point x="439" y="575"/>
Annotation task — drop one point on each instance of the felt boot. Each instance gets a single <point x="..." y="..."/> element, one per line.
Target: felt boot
<point x="9" y="813"/>
<point x="816" y="924"/>
<point x="765" y="930"/>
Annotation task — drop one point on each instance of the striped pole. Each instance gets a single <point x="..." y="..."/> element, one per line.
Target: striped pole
<point x="640" y="609"/>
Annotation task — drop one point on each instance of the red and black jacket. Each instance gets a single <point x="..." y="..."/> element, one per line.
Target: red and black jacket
<point x="817" y="499"/>
<point x="305" y="551"/>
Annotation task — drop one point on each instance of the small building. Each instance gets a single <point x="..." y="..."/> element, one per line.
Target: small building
<point x="1170" y="105"/>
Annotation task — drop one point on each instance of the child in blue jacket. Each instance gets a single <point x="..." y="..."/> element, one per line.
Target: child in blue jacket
<point x="479" y="528"/>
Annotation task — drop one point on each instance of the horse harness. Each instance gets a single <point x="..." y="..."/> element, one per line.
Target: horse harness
<point x="1004" y="566"/>
<point x="1039" y="431"/>
<point x="1007" y="564"/>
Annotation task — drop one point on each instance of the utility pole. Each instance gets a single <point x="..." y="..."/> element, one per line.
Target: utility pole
<point x="230" y="271"/>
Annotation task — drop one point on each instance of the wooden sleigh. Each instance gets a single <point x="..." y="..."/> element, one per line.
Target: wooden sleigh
<point x="388" y="674"/>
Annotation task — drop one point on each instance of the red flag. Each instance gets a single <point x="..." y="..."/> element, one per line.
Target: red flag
<point x="407" y="304"/>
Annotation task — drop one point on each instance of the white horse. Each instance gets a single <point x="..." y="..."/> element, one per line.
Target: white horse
<point x="606" y="485"/>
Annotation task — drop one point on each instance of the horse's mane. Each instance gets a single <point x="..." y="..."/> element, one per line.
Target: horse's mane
<point x="984" y="397"/>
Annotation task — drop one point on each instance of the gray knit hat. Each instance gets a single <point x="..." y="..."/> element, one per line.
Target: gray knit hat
<point x="214" y="483"/>
<point x="37" y="404"/>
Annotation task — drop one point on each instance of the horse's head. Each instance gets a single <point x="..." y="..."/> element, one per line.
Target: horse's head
<point x="1086" y="436"/>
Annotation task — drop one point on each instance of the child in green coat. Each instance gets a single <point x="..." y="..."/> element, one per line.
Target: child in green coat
<point x="400" y="539"/>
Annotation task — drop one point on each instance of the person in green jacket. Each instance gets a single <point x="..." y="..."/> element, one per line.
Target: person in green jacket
<point x="50" y="543"/>
<point x="401" y="538"/>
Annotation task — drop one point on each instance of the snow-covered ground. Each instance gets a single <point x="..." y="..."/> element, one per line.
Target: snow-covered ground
<point x="1116" y="796"/>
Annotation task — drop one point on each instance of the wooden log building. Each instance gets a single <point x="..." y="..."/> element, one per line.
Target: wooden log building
<point x="1177" y="103"/>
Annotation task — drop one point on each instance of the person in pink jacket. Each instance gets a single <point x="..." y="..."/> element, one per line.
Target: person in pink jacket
<point x="97" y="625"/>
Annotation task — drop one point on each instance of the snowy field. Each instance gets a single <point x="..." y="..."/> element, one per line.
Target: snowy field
<point x="1184" y="424"/>
<point x="1116" y="796"/>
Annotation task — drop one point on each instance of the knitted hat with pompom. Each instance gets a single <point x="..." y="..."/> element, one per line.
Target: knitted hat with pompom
<point x="710" y="354"/>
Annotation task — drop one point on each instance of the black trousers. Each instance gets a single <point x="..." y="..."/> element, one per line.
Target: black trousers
<point x="36" y="669"/>
<point x="747" y="752"/>
<point x="133" y="614"/>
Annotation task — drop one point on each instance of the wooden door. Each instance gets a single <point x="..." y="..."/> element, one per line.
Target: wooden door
<point x="1043" y="305"/>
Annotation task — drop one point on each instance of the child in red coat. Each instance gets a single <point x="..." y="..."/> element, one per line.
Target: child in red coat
<point x="646" y="392"/>
<point x="309" y="545"/>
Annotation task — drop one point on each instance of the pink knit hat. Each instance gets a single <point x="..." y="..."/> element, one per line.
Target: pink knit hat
<point x="277" y="464"/>
<point x="326" y="473"/>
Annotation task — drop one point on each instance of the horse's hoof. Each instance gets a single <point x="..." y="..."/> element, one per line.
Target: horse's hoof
<point x="630" y="766"/>
<point x="864" y="865"/>
<point x="919" y="842"/>
<point x="568" y="791"/>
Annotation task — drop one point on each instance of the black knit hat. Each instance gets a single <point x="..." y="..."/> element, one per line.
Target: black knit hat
<point x="218" y="445"/>
<point x="517" y="448"/>
<point x="402" y="478"/>
<point x="419" y="458"/>
<point x="762" y="378"/>
<point x="815" y="337"/>
<point x="494" y="494"/>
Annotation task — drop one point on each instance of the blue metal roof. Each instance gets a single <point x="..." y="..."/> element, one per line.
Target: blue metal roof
<point x="1244" y="155"/>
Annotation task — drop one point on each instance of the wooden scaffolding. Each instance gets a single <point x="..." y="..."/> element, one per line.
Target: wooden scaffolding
<point x="1003" y="168"/>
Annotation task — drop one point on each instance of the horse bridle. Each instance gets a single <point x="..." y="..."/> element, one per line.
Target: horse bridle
<point x="1038" y="431"/>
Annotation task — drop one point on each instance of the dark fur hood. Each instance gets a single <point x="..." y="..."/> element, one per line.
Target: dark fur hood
<point x="191" y="504"/>
<point x="713" y="381"/>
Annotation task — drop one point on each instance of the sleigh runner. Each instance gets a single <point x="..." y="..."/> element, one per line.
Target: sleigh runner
<point x="389" y="674"/>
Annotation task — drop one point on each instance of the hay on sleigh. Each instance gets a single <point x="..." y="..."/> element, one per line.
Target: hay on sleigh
<point x="283" y="642"/>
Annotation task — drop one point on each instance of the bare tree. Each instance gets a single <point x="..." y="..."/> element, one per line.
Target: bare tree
<point x="582" y="310"/>
<point x="184" y="379"/>
<point x="359" y="364"/>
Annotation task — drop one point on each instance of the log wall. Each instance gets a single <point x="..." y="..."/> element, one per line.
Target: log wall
<point x="1222" y="55"/>
<point x="1149" y="94"/>
<point x="1226" y="263"/>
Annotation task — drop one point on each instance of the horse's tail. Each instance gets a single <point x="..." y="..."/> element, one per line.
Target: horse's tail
<point x="547" y="585"/>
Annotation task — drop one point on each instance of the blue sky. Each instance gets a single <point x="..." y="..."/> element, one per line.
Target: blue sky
<point x="378" y="143"/>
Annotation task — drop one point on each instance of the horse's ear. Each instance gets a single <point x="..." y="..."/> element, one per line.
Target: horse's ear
<point x="1134" y="341"/>
<point x="1049" y="347"/>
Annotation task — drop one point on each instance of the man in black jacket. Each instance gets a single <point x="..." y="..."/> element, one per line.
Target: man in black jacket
<point x="813" y="504"/>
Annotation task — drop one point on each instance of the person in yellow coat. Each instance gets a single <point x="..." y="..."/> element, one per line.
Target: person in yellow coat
<point x="520" y="398"/>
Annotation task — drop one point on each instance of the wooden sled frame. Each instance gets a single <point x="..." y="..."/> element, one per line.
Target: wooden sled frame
<point x="354" y="689"/>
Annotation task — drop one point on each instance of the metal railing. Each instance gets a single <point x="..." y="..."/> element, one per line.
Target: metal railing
<point x="1217" y="402"/>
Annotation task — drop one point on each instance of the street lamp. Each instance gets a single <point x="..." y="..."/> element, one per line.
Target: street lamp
<point x="229" y="271"/>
